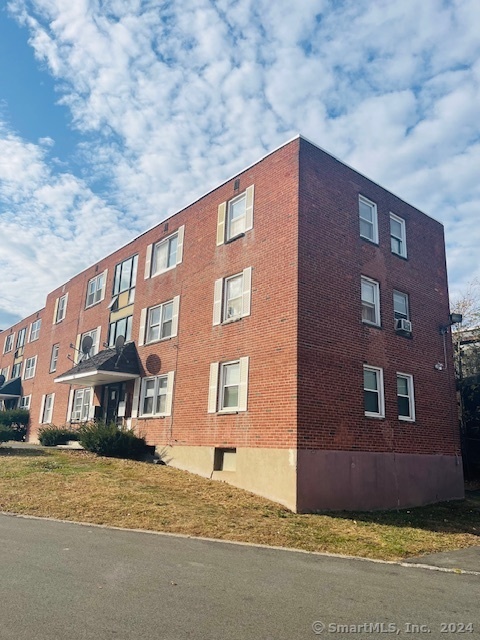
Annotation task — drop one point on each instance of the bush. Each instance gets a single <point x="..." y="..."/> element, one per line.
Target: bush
<point x="6" y="434"/>
<point x="14" y="416"/>
<point x="52" y="435"/>
<point x="15" y="423"/>
<point x="111" y="440"/>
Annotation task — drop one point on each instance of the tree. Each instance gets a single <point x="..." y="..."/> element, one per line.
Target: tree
<point x="466" y="343"/>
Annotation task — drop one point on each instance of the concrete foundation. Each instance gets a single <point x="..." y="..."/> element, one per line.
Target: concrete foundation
<point x="360" y="481"/>
<point x="270" y="473"/>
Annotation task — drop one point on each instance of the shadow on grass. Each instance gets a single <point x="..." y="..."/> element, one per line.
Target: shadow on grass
<point x="457" y="516"/>
<point x="21" y="453"/>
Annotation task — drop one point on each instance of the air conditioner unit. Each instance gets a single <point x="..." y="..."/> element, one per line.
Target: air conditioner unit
<point x="403" y="325"/>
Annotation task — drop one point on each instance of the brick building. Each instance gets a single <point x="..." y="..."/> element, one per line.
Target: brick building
<point x="282" y="333"/>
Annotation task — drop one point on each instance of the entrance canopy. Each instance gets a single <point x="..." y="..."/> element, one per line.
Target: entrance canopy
<point x="106" y="367"/>
<point x="11" y="390"/>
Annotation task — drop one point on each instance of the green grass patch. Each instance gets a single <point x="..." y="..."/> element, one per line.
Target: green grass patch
<point x="79" y="486"/>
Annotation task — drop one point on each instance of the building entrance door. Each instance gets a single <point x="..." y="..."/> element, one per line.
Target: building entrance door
<point x="111" y="400"/>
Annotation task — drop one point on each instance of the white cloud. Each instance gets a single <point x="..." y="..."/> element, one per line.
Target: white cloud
<point x="175" y="97"/>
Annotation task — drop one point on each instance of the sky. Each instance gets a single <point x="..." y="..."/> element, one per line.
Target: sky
<point x="114" y="114"/>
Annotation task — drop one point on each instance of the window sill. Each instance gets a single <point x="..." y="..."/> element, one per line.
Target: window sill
<point x="229" y="412"/>
<point x="371" y="324"/>
<point x="239" y="235"/>
<point x="375" y="243"/>
<point x="398" y="255"/>
<point x="147" y="344"/>
<point x="404" y="419"/>
<point x="404" y="334"/>
<point x="160" y="416"/>
<point x="159" y="273"/>
<point x="375" y="416"/>
<point x="94" y="304"/>
<point x="232" y="320"/>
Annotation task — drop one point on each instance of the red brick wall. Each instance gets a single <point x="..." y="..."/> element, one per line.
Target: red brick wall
<point x="333" y="342"/>
<point x="267" y="336"/>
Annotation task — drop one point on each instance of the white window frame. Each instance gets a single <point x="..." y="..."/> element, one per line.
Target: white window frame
<point x="46" y="413"/>
<point x="224" y="219"/>
<point x="61" y="308"/>
<point x="162" y="308"/>
<point x="24" y="402"/>
<point x="157" y="391"/>
<point x="375" y="287"/>
<point x="35" y="330"/>
<point x="16" y="369"/>
<point x="217" y="386"/>
<point x="151" y="269"/>
<point x="30" y="368"/>
<point x="94" y="334"/>
<point x="410" y="395"/>
<point x="54" y="360"/>
<point x="380" y="392"/>
<point x="145" y="316"/>
<point x="82" y="414"/>
<point x="96" y="289"/>
<point x="220" y="301"/>
<point x="9" y="342"/>
<point x="373" y="237"/>
<point x="402" y="239"/>
<point x="21" y="338"/>
<point x="398" y="315"/>
<point x="4" y="372"/>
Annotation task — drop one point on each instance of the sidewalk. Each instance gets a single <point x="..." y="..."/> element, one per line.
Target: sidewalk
<point x="465" y="559"/>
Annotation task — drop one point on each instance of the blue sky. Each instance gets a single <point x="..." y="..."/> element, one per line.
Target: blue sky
<point x="116" y="113"/>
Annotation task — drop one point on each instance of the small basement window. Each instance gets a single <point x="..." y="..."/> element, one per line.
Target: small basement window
<point x="225" y="460"/>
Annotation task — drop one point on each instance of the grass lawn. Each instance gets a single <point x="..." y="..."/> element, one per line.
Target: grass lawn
<point x="78" y="486"/>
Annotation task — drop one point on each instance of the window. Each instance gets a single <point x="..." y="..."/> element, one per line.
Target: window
<point x="160" y="322"/>
<point x="16" y="370"/>
<point x="126" y="277"/>
<point x="25" y="402"/>
<point x="373" y="392"/>
<point x="225" y="460"/>
<point x="368" y="219"/>
<point x="54" y="357"/>
<point x="81" y="405"/>
<point x="370" y="301"/>
<point x="405" y="397"/>
<point x="61" y="308"/>
<point x="8" y="346"/>
<point x="228" y="387"/>
<point x="121" y="327"/>
<point x="4" y="372"/>
<point x="164" y="255"/>
<point x="30" y="366"/>
<point x="156" y="395"/>
<point x="94" y="334"/>
<point x="96" y="289"/>
<point x="232" y="297"/>
<point x="398" y="236"/>
<point x="47" y="409"/>
<point x="400" y="306"/>
<point x="21" y="338"/>
<point x="35" y="330"/>
<point x="235" y="217"/>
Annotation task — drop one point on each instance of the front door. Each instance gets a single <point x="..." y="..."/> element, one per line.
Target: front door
<point x="111" y="400"/>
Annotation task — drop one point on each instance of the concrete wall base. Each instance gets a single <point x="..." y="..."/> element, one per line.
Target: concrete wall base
<point x="270" y="473"/>
<point x="360" y="481"/>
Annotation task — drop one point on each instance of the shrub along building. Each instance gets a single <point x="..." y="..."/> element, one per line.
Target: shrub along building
<point x="282" y="334"/>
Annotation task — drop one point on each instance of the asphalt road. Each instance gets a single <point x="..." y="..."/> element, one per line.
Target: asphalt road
<point x="61" y="581"/>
